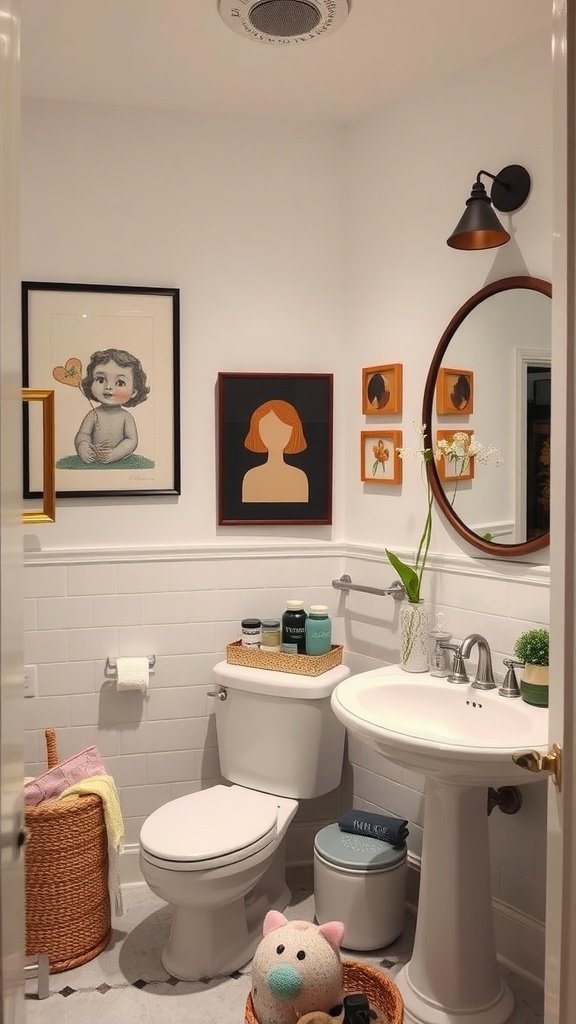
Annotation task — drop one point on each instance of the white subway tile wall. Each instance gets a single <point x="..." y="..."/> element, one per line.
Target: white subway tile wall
<point x="184" y="610"/>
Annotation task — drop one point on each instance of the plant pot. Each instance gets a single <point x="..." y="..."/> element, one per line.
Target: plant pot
<point x="414" y="637"/>
<point x="534" y="684"/>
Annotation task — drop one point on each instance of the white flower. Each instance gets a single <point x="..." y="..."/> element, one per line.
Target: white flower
<point x="422" y="453"/>
<point x="462" y="447"/>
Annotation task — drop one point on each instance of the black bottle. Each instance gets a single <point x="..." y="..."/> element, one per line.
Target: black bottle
<point x="293" y="628"/>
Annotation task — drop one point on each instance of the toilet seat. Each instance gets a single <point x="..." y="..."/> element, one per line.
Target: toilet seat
<point x="217" y="826"/>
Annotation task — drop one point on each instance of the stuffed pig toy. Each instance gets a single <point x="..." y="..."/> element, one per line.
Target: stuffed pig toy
<point x="296" y="970"/>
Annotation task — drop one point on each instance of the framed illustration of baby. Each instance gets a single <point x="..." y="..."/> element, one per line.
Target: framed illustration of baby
<point x="275" y="448"/>
<point x="111" y="354"/>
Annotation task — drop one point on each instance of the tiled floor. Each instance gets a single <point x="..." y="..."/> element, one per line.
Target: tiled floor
<point x="127" y="984"/>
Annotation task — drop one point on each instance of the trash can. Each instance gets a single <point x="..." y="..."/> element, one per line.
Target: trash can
<point x="362" y="882"/>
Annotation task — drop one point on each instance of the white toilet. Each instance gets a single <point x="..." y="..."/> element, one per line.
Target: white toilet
<point x="218" y="856"/>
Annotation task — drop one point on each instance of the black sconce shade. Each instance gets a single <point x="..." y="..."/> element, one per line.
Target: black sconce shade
<point x="479" y="227"/>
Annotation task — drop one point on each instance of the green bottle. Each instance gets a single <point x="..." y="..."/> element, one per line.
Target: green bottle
<point x="318" y="630"/>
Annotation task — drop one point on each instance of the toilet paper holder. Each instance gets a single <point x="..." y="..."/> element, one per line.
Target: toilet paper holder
<point x="110" y="667"/>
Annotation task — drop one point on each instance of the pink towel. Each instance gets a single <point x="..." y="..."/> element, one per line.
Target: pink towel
<point x="53" y="782"/>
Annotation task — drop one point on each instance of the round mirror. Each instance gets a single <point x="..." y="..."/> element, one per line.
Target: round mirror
<point x="488" y="393"/>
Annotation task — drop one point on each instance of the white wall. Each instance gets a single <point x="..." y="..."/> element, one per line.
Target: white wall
<point x="244" y="216"/>
<point x="296" y="248"/>
<point x="410" y="171"/>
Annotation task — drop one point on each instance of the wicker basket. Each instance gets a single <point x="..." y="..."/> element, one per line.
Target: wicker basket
<point x="67" y="898"/>
<point x="300" y="664"/>
<point x="383" y="995"/>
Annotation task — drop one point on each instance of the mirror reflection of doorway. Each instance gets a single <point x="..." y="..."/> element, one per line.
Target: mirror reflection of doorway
<point x="538" y="385"/>
<point x="532" y="445"/>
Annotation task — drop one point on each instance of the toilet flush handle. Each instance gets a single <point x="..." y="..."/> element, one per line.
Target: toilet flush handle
<point x="221" y="693"/>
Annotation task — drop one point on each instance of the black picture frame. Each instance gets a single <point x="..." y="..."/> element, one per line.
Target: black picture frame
<point x="247" y="496"/>
<point x="65" y="327"/>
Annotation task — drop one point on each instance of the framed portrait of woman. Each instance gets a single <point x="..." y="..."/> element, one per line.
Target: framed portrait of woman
<point x="274" y="449"/>
<point x="110" y="353"/>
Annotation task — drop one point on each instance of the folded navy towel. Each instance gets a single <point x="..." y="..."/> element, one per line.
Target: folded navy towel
<point x="378" y="826"/>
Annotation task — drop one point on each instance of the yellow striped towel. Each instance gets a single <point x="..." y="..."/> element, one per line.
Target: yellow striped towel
<point x="105" y="787"/>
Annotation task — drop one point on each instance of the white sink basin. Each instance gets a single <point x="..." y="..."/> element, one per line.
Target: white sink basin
<point x="447" y="730"/>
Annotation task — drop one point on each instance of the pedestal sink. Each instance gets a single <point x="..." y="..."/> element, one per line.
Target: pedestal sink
<point x="462" y="740"/>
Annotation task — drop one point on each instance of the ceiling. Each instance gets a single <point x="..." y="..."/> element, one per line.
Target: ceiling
<point x="179" y="54"/>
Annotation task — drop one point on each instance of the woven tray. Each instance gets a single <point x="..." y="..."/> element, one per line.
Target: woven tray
<point x="67" y="898"/>
<point x="383" y="995"/>
<point x="301" y="664"/>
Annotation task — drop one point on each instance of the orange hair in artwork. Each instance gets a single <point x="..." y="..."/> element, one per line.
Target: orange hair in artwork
<point x="287" y="414"/>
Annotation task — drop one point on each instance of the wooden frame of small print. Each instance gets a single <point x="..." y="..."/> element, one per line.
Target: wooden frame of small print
<point x="382" y="389"/>
<point x="448" y="470"/>
<point x="380" y="462"/>
<point x="454" y="392"/>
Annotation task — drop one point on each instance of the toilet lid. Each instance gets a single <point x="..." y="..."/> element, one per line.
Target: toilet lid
<point x="211" y="824"/>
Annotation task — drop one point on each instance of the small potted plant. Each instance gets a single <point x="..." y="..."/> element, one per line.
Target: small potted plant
<point x="532" y="648"/>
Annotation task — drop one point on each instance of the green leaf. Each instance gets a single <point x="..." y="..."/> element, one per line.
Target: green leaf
<point x="407" y="575"/>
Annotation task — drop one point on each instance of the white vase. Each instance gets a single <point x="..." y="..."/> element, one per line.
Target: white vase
<point x="414" y="637"/>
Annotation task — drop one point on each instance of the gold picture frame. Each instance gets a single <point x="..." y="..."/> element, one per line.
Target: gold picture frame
<point x="47" y="514"/>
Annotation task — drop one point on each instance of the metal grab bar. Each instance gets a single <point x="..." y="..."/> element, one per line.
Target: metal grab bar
<point x="395" y="590"/>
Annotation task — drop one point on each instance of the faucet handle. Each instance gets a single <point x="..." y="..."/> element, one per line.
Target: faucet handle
<point x="458" y="672"/>
<point x="509" y="687"/>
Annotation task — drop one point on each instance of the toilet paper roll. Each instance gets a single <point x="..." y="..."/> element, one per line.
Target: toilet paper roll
<point x="132" y="674"/>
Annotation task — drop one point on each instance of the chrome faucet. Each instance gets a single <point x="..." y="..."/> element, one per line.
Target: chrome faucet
<point x="457" y="673"/>
<point x="484" y="675"/>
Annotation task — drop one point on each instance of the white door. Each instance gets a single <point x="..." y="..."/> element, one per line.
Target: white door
<point x="560" y="995"/>
<point x="11" y="763"/>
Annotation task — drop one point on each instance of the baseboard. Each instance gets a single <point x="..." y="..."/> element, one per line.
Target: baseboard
<point x="520" y="941"/>
<point x="130" y="873"/>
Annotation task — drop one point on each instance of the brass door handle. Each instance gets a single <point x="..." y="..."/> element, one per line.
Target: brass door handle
<point x="534" y="761"/>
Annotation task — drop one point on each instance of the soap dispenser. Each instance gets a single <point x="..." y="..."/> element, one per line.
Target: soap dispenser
<point x="439" y="655"/>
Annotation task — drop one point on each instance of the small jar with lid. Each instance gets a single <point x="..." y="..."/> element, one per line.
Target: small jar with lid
<point x="251" y="633"/>
<point x="270" y="635"/>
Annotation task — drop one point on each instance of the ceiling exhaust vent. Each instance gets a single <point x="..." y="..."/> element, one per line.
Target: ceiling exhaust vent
<point x="283" y="21"/>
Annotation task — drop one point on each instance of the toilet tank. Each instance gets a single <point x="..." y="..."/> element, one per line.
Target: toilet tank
<point x="277" y="732"/>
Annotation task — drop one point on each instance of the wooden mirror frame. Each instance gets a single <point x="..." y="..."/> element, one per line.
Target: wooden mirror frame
<point x="489" y="547"/>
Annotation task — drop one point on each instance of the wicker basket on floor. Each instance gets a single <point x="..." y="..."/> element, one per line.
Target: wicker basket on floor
<point x="383" y="995"/>
<point x="67" y="898"/>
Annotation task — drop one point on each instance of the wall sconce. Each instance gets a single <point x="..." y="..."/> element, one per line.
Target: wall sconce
<point x="479" y="227"/>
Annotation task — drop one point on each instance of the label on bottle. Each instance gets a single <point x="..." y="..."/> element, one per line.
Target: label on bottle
<point x="290" y="648"/>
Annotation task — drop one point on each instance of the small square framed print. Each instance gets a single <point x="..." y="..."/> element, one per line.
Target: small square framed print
<point x="380" y="462"/>
<point x="454" y="392"/>
<point x="456" y="465"/>
<point x="382" y="389"/>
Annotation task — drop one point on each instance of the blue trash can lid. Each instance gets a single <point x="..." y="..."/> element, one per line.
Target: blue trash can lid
<point x="348" y="850"/>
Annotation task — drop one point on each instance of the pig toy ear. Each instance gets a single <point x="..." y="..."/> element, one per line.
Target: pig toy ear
<point x="333" y="932"/>
<point x="274" y="919"/>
